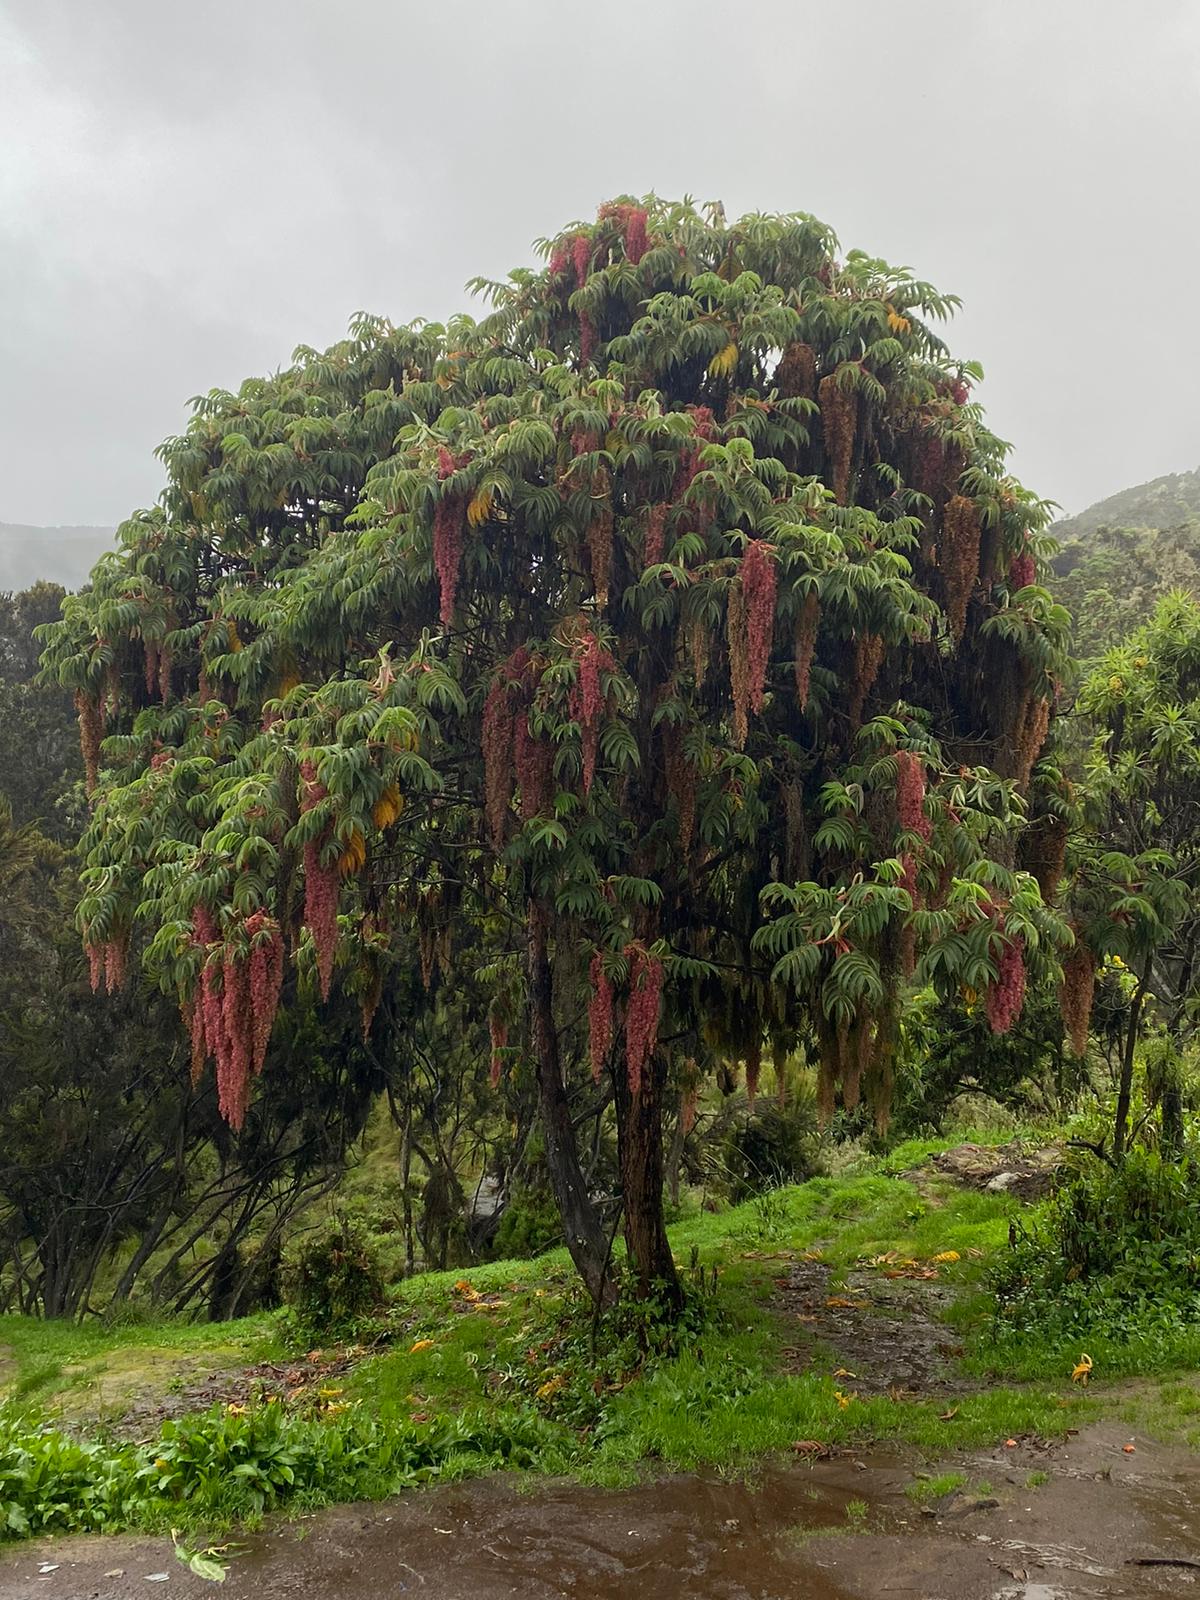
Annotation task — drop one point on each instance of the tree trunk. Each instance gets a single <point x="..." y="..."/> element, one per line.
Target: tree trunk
<point x="410" y="1249"/>
<point x="675" y="1154"/>
<point x="641" y="1149"/>
<point x="1125" y="1089"/>
<point x="581" y="1223"/>
<point x="1171" y="1112"/>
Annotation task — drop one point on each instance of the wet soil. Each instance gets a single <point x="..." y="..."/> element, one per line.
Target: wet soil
<point x="297" y="1382"/>
<point x="875" y="1330"/>
<point x="838" y="1529"/>
<point x="1012" y="1168"/>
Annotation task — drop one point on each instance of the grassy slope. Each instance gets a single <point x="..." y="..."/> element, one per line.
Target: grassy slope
<point x="512" y="1342"/>
<point x="726" y="1401"/>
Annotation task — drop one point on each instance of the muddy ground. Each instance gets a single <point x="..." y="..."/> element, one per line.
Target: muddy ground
<point x="837" y="1529"/>
<point x="874" y="1333"/>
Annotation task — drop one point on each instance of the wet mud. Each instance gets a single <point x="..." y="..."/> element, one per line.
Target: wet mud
<point x="837" y="1529"/>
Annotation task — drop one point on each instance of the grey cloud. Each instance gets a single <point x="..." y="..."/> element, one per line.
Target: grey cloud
<point x="189" y="191"/>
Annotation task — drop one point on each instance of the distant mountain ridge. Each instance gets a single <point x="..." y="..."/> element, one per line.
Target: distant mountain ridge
<point x="1162" y="503"/>
<point x="62" y="555"/>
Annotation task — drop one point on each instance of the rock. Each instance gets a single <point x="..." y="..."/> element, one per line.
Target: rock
<point x="963" y="1506"/>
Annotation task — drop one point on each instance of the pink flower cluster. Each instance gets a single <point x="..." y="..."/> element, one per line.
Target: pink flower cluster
<point x="641" y="1013"/>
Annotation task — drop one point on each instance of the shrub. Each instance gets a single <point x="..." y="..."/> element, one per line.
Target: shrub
<point x="1112" y="1249"/>
<point x="336" y="1280"/>
<point x="770" y="1146"/>
<point x="530" y="1224"/>
<point x="228" y="1464"/>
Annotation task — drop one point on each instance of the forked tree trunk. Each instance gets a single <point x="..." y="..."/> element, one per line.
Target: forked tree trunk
<point x="581" y="1222"/>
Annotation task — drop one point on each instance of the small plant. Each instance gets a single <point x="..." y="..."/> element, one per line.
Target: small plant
<point x="768" y="1215"/>
<point x="927" y="1491"/>
<point x="1035" y="1480"/>
<point x="857" y="1512"/>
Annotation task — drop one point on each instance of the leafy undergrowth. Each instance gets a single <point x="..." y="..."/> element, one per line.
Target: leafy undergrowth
<point x="501" y="1367"/>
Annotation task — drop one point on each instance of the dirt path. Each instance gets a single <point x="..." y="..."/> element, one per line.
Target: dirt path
<point x="842" y="1529"/>
<point x="889" y="1328"/>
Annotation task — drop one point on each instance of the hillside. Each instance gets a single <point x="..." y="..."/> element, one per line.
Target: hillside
<point x="1119" y="557"/>
<point x="63" y="555"/>
<point x="1161" y="503"/>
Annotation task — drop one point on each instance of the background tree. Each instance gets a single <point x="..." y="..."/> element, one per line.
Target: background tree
<point x="675" y="628"/>
<point x="1135" y="888"/>
<point x="40" y="768"/>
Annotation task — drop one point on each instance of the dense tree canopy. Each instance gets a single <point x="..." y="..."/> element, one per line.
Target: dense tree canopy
<point x="667" y="645"/>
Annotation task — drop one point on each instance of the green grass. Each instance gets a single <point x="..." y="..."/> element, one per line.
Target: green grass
<point x="508" y="1357"/>
<point x="924" y="1491"/>
<point x="82" y="1367"/>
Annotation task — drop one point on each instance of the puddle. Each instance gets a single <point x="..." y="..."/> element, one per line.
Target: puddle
<point x="839" y="1529"/>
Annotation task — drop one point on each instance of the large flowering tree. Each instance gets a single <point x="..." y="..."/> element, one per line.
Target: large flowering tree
<point x="667" y="645"/>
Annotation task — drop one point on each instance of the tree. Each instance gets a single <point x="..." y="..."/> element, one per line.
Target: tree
<point x="39" y="749"/>
<point x="116" y="1170"/>
<point x="1135" y="888"/>
<point x="674" y="629"/>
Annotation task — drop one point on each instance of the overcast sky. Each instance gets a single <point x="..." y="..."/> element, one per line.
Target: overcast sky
<point x="189" y="191"/>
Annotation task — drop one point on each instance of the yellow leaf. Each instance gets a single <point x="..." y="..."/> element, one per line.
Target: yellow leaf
<point x="947" y="1255"/>
<point x="480" y="508"/>
<point x="388" y="807"/>
<point x="724" y="363"/>
<point x="1082" y="1370"/>
<point x="354" y="855"/>
<point x="235" y="1410"/>
<point x="896" y="322"/>
<point x="421" y="1344"/>
<point x="552" y="1387"/>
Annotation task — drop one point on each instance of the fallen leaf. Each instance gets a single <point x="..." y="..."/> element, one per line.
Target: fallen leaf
<point x="947" y="1255"/>
<point x="808" y="1447"/>
<point x="421" y="1344"/>
<point x="1129" y="1449"/>
<point x="945" y="1416"/>
<point x="841" y="1301"/>
<point x="1082" y="1370"/>
<point x="1010" y="1444"/>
